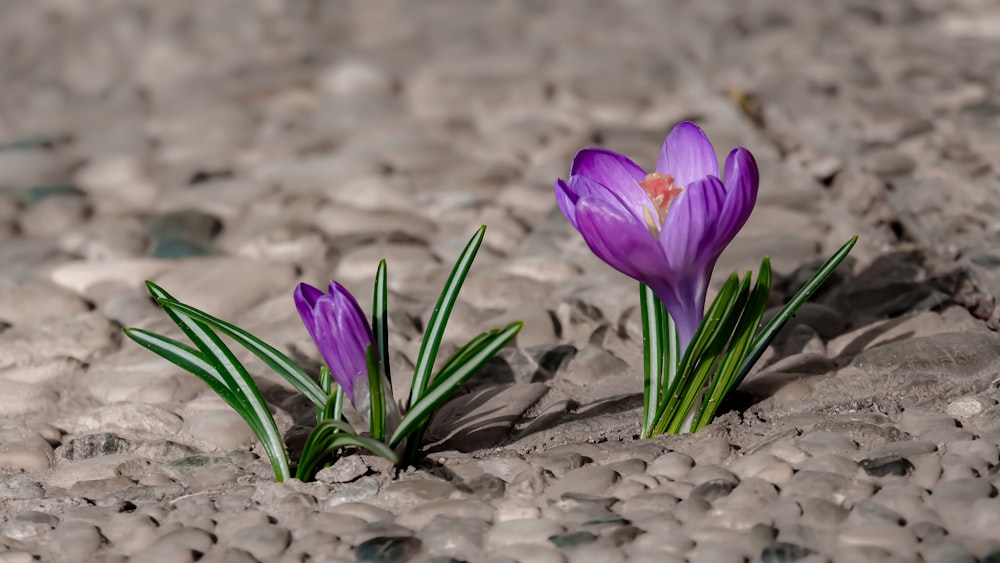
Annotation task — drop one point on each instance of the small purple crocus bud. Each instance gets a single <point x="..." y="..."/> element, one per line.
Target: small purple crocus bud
<point x="340" y="330"/>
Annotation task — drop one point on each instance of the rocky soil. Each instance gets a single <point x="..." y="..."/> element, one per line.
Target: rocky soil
<point x="230" y="149"/>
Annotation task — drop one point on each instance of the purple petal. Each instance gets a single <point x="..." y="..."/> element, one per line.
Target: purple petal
<point x="568" y="194"/>
<point x="606" y="167"/>
<point x="742" y="181"/>
<point x="685" y="300"/>
<point x="615" y="172"/>
<point x="342" y="338"/>
<point x="687" y="155"/>
<point x="688" y="234"/>
<point x="566" y="201"/>
<point x="305" y="297"/>
<point x="618" y="238"/>
<point x="346" y="299"/>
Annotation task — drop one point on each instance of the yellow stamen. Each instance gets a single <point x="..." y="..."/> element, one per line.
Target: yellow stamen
<point x="652" y="224"/>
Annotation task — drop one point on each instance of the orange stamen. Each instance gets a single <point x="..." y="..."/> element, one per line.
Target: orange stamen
<point x="662" y="190"/>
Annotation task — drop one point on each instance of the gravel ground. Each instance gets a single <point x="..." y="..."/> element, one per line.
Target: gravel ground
<point x="229" y="149"/>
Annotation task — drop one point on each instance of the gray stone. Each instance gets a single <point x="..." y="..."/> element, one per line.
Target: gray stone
<point x="412" y="492"/>
<point x="78" y="538"/>
<point x="592" y="480"/>
<point x="20" y="487"/>
<point x="990" y="453"/>
<point x="868" y="511"/>
<point x="822" y="513"/>
<point x="344" y="470"/>
<point x="888" y="163"/>
<point x="784" y="552"/>
<point x="24" y="450"/>
<point x="818" y="443"/>
<point x="265" y="541"/>
<point x="26" y="167"/>
<point x="454" y="535"/>
<point x="355" y="492"/>
<point x="916" y="421"/>
<point x="207" y="284"/>
<point x="533" y="531"/>
<point x="92" y="445"/>
<point x="558" y="464"/>
<point x="763" y="466"/>
<point x="51" y="216"/>
<point x="886" y="465"/>
<point x="711" y="450"/>
<point x="833" y="463"/>
<point x="908" y="448"/>
<point x="227" y="524"/>
<point x="946" y="553"/>
<point x="225" y="429"/>
<point x="967" y="407"/>
<point x="673" y="465"/>
<point x="703" y="473"/>
<point x="962" y="491"/>
<point x="887" y="536"/>
<point x="81" y="337"/>
<point x="469" y="509"/>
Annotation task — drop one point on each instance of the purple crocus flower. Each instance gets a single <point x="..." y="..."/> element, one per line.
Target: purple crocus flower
<point x="666" y="229"/>
<point x="341" y="332"/>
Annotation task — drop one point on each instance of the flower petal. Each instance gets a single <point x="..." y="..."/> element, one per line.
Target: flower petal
<point x="688" y="234"/>
<point x="685" y="299"/>
<point x="606" y="167"/>
<point x="687" y="155"/>
<point x="305" y="297"/>
<point x="742" y="181"/>
<point x="342" y="339"/>
<point x="566" y="200"/>
<point x="346" y="300"/>
<point x="618" y="238"/>
<point x="615" y="172"/>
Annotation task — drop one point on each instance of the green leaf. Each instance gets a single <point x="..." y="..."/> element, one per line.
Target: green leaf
<point x="270" y="355"/>
<point x="463" y="353"/>
<point x="325" y="384"/>
<point x="181" y="355"/>
<point x="337" y="412"/>
<point x="380" y="317"/>
<point x="801" y="296"/>
<point x="652" y="355"/>
<point x="439" y="318"/>
<point x="193" y="361"/>
<point x="742" y="337"/>
<point x="334" y="407"/>
<point x="376" y="395"/>
<point x="674" y="354"/>
<point x="329" y="436"/>
<point x="695" y="351"/>
<point x="316" y="443"/>
<point x="706" y="362"/>
<point x="236" y="378"/>
<point x="326" y="380"/>
<point x="449" y="381"/>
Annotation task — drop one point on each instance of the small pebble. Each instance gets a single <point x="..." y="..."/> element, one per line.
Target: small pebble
<point x="509" y="532"/>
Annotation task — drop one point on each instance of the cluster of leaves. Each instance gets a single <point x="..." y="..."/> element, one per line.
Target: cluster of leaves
<point x="684" y="388"/>
<point x="211" y="360"/>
